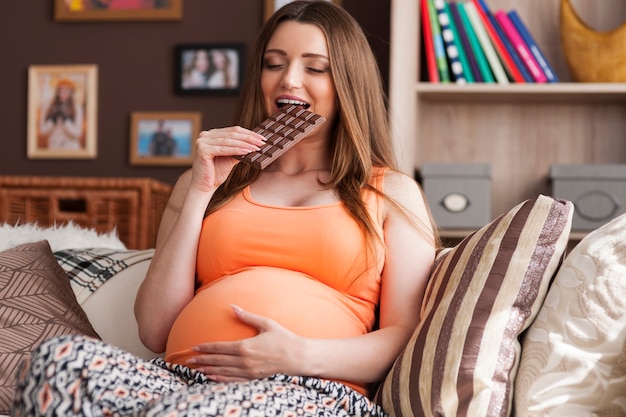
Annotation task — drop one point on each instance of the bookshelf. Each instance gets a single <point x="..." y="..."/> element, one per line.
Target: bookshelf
<point x="520" y="129"/>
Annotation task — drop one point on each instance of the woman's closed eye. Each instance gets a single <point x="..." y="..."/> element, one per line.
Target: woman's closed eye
<point x="273" y="66"/>
<point x="317" y="70"/>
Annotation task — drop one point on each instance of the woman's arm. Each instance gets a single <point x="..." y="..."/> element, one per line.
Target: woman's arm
<point x="409" y="257"/>
<point x="169" y="282"/>
<point x="173" y="207"/>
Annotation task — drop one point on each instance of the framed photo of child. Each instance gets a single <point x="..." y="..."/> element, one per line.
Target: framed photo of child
<point x="62" y="120"/>
<point x="163" y="138"/>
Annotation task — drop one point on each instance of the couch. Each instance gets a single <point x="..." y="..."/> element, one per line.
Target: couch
<point x="511" y="323"/>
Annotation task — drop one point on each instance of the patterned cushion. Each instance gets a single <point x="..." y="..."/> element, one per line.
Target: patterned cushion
<point x="88" y="269"/>
<point x="574" y="354"/>
<point x="463" y="356"/>
<point x="36" y="303"/>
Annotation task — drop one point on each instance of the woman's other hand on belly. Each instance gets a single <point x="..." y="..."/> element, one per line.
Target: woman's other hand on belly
<point x="273" y="350"/>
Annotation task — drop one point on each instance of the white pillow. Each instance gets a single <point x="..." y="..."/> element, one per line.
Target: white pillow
<point x="110" y="309"/>
<point x="69" y="235"/>
<point x="574" y="355"/>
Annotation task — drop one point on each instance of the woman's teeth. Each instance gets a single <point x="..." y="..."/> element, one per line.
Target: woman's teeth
<point x="281" y="103"/>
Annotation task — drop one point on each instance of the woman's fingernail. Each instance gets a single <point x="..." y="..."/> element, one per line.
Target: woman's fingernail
<point x="236" y="308"/>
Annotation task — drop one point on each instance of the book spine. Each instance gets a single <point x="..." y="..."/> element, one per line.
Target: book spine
<point x="467" y="47"/>
<point x="429" y="44"/>
<point x="511" y="50"/>
<point x="440" y="52"/>
<point x="452" y="51"/>
<point x="483" y="38"/>
<point x="483" y="65"/>
<point x="507" y="61"/>
<point x="467" y="71"/>
<point x="521" y="47"/>
<point x="534" y="48"/>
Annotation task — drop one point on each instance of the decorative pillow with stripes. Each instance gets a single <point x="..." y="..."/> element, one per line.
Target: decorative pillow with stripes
<point x="482" y="294"/>
<point x="89" y="269"/>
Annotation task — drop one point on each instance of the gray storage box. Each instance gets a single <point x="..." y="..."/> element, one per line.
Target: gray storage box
<point x="598" y="192"/>
<point x="459" y="194"/>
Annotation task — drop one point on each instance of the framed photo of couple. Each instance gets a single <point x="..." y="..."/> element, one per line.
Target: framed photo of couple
<point x="209" y="68"/>
<point x="163" y="138"/>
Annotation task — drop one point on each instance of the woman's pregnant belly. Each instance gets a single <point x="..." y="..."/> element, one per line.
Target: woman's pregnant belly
<point x="297" y="302"/>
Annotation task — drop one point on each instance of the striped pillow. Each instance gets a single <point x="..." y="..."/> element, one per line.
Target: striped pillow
<point x="463" y="356"/>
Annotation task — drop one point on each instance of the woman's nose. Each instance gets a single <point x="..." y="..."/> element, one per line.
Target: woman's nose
<point x="292" y="78"/>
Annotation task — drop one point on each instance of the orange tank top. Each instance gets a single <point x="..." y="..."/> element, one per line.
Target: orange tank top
<point x="308" y="268"/>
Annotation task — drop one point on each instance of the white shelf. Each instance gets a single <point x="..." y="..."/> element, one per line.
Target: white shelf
<point x="571" y="93"/>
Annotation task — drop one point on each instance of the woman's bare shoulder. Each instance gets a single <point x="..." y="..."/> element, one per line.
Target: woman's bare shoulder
<point x="400" y="186"/>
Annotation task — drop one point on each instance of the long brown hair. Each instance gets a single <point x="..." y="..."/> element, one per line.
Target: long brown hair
<point x="361" y="133"/>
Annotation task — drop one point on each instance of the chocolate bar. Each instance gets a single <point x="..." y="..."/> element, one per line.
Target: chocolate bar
<point x="282" y="130"/>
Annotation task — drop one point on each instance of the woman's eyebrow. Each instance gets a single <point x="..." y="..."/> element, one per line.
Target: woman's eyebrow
<point x="312" y="55"/>
<point x="305" y="55"/>
<point x="275" y="51"/>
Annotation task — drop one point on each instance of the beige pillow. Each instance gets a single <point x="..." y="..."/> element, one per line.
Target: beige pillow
<point x="36" y="303"/>
<point x="482" y="294"/>
<point x="574" y="354"/>
<point x="105" y="282"/>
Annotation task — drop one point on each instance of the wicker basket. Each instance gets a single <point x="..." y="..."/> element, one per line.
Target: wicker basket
<point x="133" y="206"/>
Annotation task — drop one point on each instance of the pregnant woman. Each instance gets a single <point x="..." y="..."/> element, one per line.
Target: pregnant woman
<point x="282" y="291"/>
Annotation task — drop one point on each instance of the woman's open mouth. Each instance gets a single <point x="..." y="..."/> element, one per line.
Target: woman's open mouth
<point x="282" y="102"/>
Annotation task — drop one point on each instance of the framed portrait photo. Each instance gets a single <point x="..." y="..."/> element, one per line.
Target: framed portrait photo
<point x="209" y="68"/>
<point x="163" y="138"/>
<point x="270" y="6"/>
<point x="116" y="10"/>
<point x="62" y="102"/>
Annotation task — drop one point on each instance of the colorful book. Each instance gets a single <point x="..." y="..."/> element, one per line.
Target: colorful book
<point x="532" y="45"/>
<point x="467" y="71"/>
<point x="440" y="52"/>
<point x="521" y="47"/>
<point x="429" y="44"/>
<point x="472" y="64"/>
<point x="509" y="46"/>
<point x="485" y="42"/>
<point x="483" y="65"/>
<point x="504" y="55"/>
<point x="452" y="51"/>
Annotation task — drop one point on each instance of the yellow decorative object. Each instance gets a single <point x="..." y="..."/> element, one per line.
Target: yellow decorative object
<point x="592" y="56"/>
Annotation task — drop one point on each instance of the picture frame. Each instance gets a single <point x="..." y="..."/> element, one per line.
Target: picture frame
<point x="163" y="138"/>
<point x="117" y="10"/>
<point x="62" y="111"/>
<point x="270" y="6"/>
<point x="209" y="68"/>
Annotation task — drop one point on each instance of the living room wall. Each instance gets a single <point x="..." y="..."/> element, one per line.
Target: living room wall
<point x="135" y="73"/>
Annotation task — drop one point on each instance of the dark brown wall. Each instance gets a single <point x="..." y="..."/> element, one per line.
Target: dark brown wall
<point x="135" y="72"/>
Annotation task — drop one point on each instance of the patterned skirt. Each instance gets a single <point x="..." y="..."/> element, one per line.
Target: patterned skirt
<point x="80" y="376"/>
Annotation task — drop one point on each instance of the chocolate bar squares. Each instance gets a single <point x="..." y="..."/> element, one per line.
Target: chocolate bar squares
<point x="282" y="130"/>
